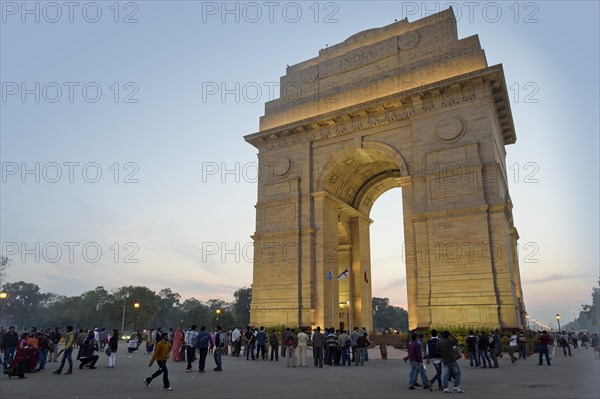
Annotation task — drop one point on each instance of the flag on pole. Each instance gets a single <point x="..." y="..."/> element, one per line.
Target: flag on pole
<point x="330" y="276"/>
<point x="343" y="274"/>
<point x="366" y="278"/>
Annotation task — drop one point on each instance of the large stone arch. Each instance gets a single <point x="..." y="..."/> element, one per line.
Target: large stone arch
<point x="325" y="160"/>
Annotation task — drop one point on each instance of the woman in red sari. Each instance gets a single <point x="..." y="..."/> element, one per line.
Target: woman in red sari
<point x="19" y="363"/>
<point x="177" y="341"/>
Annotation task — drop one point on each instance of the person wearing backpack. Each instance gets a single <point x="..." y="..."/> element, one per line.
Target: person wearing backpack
<point x="291" y="341"/>
<point x="220" y="343"/>
<point x="564" y="343"/>
<point x="362" y="344"/>
<point x="201" y="343"/>
<point x="433" y="357"/>
<point x="345" y="344"/>
<point x="274" y="344"/>
<point x="261" y="340"/>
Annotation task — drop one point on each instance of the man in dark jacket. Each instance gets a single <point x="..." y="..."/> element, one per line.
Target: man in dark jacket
<point x="249" y="343"/>
<point x="543" y="342"/>
<point x="291" y="342"/>
<point x="482" y="346"/>
<point x="55" y="337"/>
<point x="318" y="341"/>
<point x="87" y="354"/>
<point x="201" y="343"/>
<point x="261" y="341"/>
<point x="445" y="347"/>
<point x="433" y="357"/>
<point x="9" y="343"/>
<point x="472" y="347"/>
<point x="415" y="358"/>
<point x="44" y="343"/>
<point x="493" y="345"/>
<point x="274" y="344"/>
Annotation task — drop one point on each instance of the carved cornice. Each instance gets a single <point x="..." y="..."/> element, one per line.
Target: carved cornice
<point x="487" y="83"/>
<point x="343" y="207"/>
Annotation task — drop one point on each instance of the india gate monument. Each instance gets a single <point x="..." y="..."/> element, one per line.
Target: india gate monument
<point x="407" y="105"/>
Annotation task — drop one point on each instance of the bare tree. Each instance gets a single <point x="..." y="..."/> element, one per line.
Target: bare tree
<point x="5" y="263"/>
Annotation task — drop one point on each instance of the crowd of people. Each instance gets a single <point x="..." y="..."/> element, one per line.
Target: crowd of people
<point x="483" y="351"/>
<point x="30" y="351"/>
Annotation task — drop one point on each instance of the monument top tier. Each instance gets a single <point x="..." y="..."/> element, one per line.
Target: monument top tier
<point x="372" y="36"/>
<point x="374" y="64"/>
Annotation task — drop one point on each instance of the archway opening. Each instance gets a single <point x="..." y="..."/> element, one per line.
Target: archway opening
<point x="388" y="263"/>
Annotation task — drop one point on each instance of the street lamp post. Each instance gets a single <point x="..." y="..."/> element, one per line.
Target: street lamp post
<point x="3" y="296"/>
<point x="136" y="306"/>
<point x="123" y="318"/>
<point x="558" y="321"/>
<point x="218" y="312"/>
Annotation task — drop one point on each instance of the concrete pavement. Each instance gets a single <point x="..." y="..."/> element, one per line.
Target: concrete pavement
<point x="568" y="377"/>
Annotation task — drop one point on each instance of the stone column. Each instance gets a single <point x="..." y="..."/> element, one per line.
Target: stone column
<point x="360" y="304"/>
<point x="326" y="249"/>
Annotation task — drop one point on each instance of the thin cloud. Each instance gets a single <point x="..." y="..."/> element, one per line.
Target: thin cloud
<point x="553" y="277"/>
<point x="393" y="284"/>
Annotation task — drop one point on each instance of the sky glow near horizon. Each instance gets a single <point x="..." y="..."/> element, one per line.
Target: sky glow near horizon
<point x="153" y="167"/>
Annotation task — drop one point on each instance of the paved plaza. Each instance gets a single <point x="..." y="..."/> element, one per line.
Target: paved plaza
<point x="568" y="377"/>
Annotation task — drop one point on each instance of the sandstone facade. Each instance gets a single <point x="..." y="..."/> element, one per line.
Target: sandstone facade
<point x="408" y="105"/>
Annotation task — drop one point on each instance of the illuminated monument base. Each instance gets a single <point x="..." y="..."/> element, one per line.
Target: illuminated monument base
<point x="407" y="105"/>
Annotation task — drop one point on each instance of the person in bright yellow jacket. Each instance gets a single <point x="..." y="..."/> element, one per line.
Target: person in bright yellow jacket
<point x="68" y="352"/>
<point x="161" y="355"/>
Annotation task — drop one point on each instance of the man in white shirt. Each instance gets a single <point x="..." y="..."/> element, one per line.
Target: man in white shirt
<point x="433" y="356"/>
<point x="190" y="341"/>
<point x="302" y="345"/>
<point x="235" y="339"/>
<point x="512" y="347"/>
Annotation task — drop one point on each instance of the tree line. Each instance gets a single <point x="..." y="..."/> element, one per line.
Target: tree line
<point x="388" y="317"/>
<point x="26" y="306"/>
<point x="589" y="317"/>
